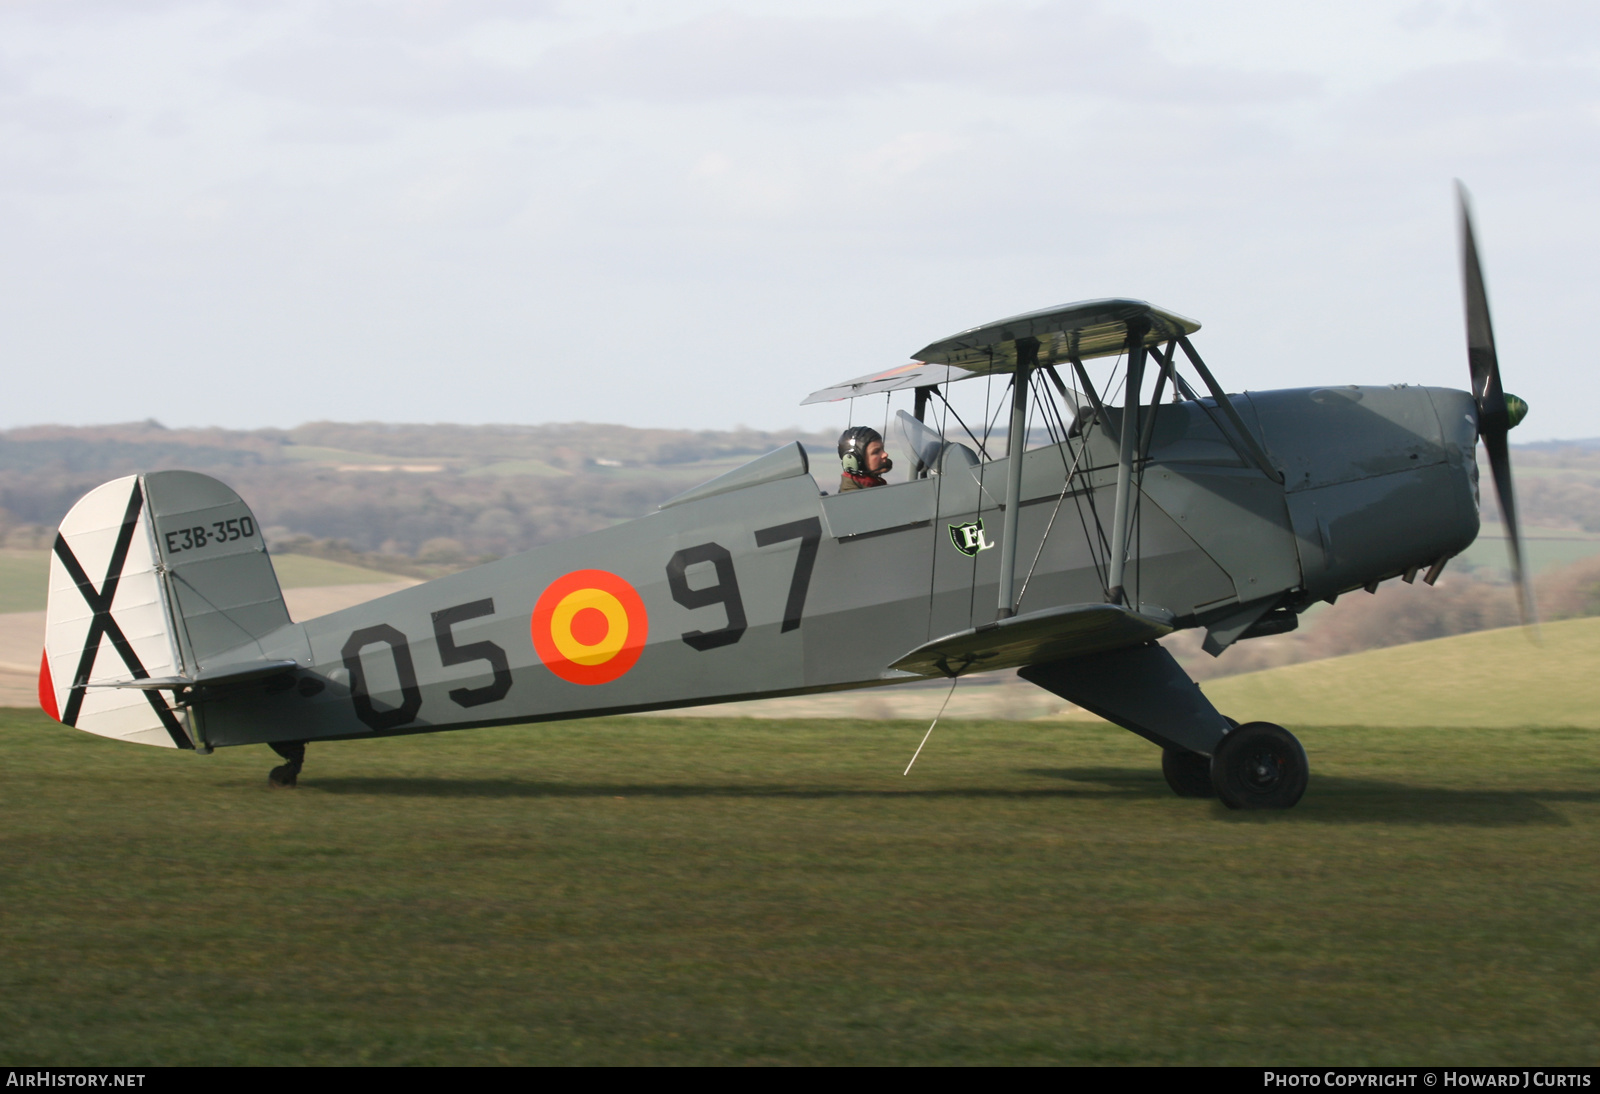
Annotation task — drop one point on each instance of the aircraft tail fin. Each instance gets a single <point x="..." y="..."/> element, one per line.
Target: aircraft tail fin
<point x="151" y="577"/>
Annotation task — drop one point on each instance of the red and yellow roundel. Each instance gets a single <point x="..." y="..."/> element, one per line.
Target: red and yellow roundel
<point x="589" y="627"/>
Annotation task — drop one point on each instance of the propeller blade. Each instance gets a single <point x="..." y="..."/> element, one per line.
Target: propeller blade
<point x="1481" y="358"/>
<point x="1494" y="418"/>
<point x="1500" y="467"/>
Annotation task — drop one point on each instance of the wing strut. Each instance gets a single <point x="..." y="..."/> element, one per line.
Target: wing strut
<point x="1088" y="389"/>
<point x="1016" y="446"/>
<point x="1145" y="434"/>
<point x="1225" y="404"/>
<point x="1121" y="516"/>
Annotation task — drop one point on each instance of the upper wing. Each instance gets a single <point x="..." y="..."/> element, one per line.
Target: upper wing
<point x="914" y="374"/>
<point x="1089" y="328"/>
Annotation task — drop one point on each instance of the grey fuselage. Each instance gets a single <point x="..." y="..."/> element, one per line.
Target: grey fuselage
<point x="1377" y="481"/>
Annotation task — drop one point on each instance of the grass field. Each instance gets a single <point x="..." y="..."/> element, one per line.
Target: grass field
<point x="303" y="571"/>
<point x="1489" y="679"/>
<point x="519" y="467"/>
<point x="641" y="890"/>
<point x="1547" y="548"/>
<point x="25" y="576"/>
<point x="24" y="580"/>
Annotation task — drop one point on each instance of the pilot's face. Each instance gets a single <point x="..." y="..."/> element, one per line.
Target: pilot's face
<point x="876" y="458"/>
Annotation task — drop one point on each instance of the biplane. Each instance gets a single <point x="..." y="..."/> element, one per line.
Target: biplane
<point x="1106" y="516"/>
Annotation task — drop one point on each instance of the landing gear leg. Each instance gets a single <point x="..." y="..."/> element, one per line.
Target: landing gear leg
<point x="1254" y="766"/>
<point x="288" y="775"/>
<point x="1189" y="773"/>
<point x="1142" y="689"/>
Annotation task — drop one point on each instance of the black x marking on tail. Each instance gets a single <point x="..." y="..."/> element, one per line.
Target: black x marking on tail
<point x="103" y="626"/>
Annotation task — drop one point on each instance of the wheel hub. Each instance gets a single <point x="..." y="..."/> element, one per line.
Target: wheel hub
<point x="1266" y="769"/>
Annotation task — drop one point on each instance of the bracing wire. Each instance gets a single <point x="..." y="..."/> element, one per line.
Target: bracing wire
<point x="950" y="410"/>
<point x="1066" y="487"/>
<point x="954" y="680"/>
<point x="1099" y="542"/>
<point x="983" y="468"/>
<point x="1141" y="458"/>
<point x="938" y="501"/>
<point x="988" y="429"/>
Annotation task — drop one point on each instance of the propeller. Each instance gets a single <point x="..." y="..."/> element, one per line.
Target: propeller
<point x="1498" y="412"/>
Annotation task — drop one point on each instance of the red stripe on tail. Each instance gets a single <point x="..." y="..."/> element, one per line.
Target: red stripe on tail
<point x="47" y="689"/>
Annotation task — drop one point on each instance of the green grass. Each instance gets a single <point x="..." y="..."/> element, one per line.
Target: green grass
<point x="670" y="891"/>
<point x="1547" y="549"/>
<point x="302" y="571"/>
<point x="1497" y="679"/>
<point x="309" y="453"/>
<point x="24" y="580"/>
<point x="25" y="576"/>
<point x="533" y="467"/>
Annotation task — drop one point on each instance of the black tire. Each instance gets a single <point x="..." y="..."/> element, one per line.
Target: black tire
<point x="1188" y="773"/>
<point x="1259" y="766"/>
<point x="287" y="776"/>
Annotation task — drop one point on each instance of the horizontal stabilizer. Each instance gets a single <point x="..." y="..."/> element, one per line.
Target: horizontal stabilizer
<point x="206" y="678"/>
<point x="1037" y="636"/>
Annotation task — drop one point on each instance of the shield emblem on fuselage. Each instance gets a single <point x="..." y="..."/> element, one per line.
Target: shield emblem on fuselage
<point x="968" y="538"/>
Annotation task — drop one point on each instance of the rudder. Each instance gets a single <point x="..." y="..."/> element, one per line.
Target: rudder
<point x="151" y="576"/>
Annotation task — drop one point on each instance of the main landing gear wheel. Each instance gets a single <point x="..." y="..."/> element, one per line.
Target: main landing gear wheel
<point x="287" y="776"/>
<point x="1188" y="773"/>
<point x="1259" y="766"/>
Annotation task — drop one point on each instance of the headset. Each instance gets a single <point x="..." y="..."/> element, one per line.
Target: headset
<point x="853" y="444"/>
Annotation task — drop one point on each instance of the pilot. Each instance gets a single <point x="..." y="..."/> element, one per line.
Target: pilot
<point x="862" y="458"/>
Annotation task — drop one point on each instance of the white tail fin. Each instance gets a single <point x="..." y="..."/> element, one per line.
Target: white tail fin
<point x="151" y="576"/>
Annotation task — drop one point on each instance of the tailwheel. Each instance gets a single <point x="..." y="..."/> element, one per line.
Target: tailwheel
<point x="1259" y="766"/>
<point x="287" y="776"/>
<point x="1188" y="773"/>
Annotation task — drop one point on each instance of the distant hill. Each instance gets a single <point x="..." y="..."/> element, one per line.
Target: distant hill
<point x="1491" y="679"/>
<point x="25" y="576"/>
<point x="454" y="493"/>
<point x="438" y="494"/>
<point x="1587" y="444"/>
<point x="419" y="500"/>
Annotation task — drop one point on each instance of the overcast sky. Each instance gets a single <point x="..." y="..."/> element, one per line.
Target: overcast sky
<point x="692" y="214"/>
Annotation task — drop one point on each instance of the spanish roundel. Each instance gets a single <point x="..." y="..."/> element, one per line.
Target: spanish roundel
<point x="589" y="627"/>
